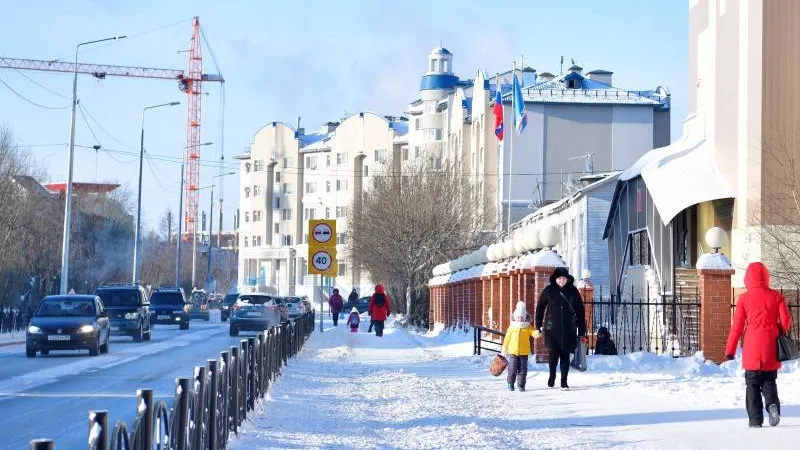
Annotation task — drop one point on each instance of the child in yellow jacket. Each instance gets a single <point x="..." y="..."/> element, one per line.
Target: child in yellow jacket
<point x="517" y="346"/>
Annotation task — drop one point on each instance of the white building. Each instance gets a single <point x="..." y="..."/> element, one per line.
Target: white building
<point x="289" y="177"/>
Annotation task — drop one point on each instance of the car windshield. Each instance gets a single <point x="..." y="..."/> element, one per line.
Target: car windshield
<point x="199" y="299"/>
<point x="166" y="298"/>
<point x="254" y="299"/>
<point x="66" y="307"/>
<point x="229" y="299"/>
<point x="120" y="297"/>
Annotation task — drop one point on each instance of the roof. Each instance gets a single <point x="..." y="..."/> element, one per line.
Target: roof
<point x="600" y="72"/>
<point x="31" y="185"/>
<point x="311" y="138"/>
<point x="575" y="67"/>
<point x="92" y="188"/>
<point x="440" y="51"/>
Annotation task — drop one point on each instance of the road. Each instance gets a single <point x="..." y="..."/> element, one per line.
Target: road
<point x="50" y="396"/>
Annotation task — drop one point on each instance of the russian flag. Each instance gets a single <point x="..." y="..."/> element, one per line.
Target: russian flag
<point x="498" y="113"/>
<point x="520" y="114"/>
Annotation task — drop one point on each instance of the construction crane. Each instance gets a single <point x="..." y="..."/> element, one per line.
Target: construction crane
<point x="190" y="83"/>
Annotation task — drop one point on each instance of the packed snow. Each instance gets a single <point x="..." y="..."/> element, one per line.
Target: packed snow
<point x="419" y="390"/>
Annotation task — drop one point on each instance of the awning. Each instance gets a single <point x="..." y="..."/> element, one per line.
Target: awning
<point x="681" y="174"/>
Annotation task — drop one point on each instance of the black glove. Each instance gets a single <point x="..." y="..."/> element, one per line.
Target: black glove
<point x="728" y="358"/>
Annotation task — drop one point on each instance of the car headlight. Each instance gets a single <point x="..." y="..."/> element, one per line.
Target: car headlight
<point x="33" y="329"/>
<point x="86" y="329"/>
<point x="131" y="315"/>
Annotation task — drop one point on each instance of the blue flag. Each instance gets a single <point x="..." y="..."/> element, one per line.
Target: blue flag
<point x="520" y="113"/>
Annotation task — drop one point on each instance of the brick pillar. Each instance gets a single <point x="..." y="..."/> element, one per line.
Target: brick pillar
<point x="431" y="296"/>
<point x="505" y="300"/>
<point x="541" y="280"/>
<point x="495" y="317"/>
<point x="586" y="288"/>
<point x="716" y="296"/>
<point x="472" y="294"/>
<point x="486" y="300"/>
<point x="527" y="291"/>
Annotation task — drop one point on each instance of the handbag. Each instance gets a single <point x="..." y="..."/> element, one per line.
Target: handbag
<point x="498" y="366"/>
<point x="787" y="348"/>
<point x="579" y="360"/>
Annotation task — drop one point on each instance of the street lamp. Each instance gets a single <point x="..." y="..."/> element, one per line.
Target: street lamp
<point x="211" y="224"/>
<point x="136" y="237"/>
<point x="68" y="207"/>
<point x="180" y="223"/>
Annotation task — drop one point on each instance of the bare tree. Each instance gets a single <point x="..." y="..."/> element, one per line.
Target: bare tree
<point x="409" y="222"/>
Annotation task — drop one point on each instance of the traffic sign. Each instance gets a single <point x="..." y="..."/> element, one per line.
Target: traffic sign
<point x="323" y="262"/>
<point x="322" y="233"/>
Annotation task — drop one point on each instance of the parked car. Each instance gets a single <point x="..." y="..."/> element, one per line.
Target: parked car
<point x="200" y="306"/>
<point x="254" y="312"/>
<point x="68" y="322"/>
<point x="227" y="304"/>
<point x="169" y="306"/>
<point x="128" y="310"/>
<point x="295" y="306"/>
<point x="362" y="305"/>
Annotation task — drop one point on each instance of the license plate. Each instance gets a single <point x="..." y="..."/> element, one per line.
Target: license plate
<point x="253" y="314"/>
<point x="164" y="316"/>
<point x="58" y="337"/>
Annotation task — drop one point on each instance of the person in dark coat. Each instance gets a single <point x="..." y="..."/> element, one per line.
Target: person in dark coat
<point x="379" y="308"/>
<point x="604" y="345"/>
<point x="761" y="315"/>
<point x="352" y="299"/>
<point x="336" y="304"/>
<point x="560" y="317"/>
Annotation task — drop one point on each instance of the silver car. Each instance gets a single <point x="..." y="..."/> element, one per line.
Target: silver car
<point x="254" y="312"/>
<point x="296" y="306"/>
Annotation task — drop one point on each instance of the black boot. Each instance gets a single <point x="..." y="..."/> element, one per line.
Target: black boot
<point x="510" y="386"/>
<point x="774" y="415"/>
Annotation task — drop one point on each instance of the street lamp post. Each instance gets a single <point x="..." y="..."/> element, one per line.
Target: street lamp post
<point x="180" y="227"/>
<point x="137" y="232"/>
<point x="194" y="243"/>
<point x="68" y="205"/>
<point x="211" y="225"/>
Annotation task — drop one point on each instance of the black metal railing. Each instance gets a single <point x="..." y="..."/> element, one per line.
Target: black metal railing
<point x="13" y="320"/>
<point x="207" y="407"/>
<point x="649" y="321"/>
<point x="792" y="297"/>
<point x="478" y="340"/>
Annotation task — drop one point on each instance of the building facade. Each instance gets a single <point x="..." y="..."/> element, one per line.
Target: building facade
<point x="290" y="177"/>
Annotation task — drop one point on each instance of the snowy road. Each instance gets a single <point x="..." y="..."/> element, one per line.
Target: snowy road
<point x="416" y="391"/>
<point x="50" y="396"/>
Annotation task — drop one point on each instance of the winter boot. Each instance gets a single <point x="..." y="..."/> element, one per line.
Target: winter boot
<point x="564" y="387"/>
<point x="551" y="382"/>
<point x="510" y="386"/>
<point x="522" y="389"/>
<point x="774" y="415"/>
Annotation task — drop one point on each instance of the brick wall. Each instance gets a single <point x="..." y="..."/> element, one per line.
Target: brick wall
<point x="715" y="311"/>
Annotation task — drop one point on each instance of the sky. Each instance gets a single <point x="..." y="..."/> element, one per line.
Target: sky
<point x="283" y="60"/>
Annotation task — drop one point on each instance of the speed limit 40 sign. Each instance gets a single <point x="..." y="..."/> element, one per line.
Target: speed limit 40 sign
<point x="322" y="248"/>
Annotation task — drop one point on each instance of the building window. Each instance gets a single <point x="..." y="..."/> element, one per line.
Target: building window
<point x="328" y="160"/>
<point x="341" y="238"/>
<point x="246" y="167"/>
<point x="327" y="213"/>
<point x="277" y="203"/>
<point x="366" y="171"/>
<point x="288" y="162"/>
<point x="437" y="134"/>
<point x="574" y="83"/>
<point x="341" y="185"/>
<point x="277" y="177"/>
<point x="247" y="217"/>
<point x="257" y="216"/>
<point x="277" y="229"/>
<point x="416" y="124"/>
<point x="309" y="213"/>
<point x="341" y="211"/>
<point x="341" y="159"/>
<point x="380" y="155"/>
<point x="342" y="271"/>
<point x="258" y="165"/>
<point x="245" y="242"/>
<point x="311" y="188"/>
<point x="311" y="162"/>
<point x="257" y="191"/>
<point x="256" y="241"/>
<point x="327" y="186"/>
<point x="416" y="152"/>
<point x="287" y="240"/>
<point x="288" y="188"/>
<point x="286" y="214"/>
<point x="437" y="164"/>
<point x="405" y="153"/>
<point x="640" y="249"/>
<point x="247" y="192"/>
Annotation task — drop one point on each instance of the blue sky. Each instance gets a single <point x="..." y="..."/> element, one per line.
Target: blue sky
<point x="317" y="60"/>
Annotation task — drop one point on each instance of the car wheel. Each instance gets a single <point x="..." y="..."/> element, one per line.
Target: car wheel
<point x="184" y="325"/>
<point x="138" y="336"/>
<point x="207" y="319"/>
<point x="45" y="352"/>
<point x="149" y="334"/>
<point x="234" y="330"/>
<point x="94" y="350"/>
<point x="104" y="347"/>
<point x="29" y="352"/>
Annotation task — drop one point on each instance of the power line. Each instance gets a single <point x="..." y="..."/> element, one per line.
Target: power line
<point x="41" y="85"/>
<point x="29" y="100"/>
<point x="96" y="139"/>
<point x="99" y="125"/>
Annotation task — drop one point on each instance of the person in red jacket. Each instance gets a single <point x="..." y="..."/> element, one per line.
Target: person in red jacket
<point x="761" y="315"/>
<point x="336" y="303"/>
<point x="379" y="308"/>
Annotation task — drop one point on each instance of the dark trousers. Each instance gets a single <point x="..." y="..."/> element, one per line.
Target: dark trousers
<point x="378" y="328"/>
<point x="760" y="383"/>
<point x="555" y="357"/>
<point x="518" y="370"/>
<point x="335" y="316"/>
<point x="371" y="324"/>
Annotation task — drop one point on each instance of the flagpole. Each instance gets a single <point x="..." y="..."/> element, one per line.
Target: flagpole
<point x="511" y="145"/>
<point x="499" y="164"/>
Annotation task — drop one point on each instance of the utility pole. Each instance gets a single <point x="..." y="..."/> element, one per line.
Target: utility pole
<point x="180" y="222"/>
<point x="210" y="228"/>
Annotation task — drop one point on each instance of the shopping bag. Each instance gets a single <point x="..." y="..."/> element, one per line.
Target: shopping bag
<point x="787" y="348"/>
<point x="579" y="360"/>
<point x="499" y="364"/>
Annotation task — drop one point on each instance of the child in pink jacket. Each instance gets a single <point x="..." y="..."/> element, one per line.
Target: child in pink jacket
<point x="353" y="320"/>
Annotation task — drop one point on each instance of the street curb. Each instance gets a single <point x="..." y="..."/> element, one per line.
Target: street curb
<point x="8" y="344"/>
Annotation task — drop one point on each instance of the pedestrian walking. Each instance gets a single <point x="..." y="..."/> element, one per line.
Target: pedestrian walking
<point x="379" y="308"/>
<point x="335" y="303"/>
<point x="352" y="299"/>
<point x="560" y="318"/>
<point x="761" y="316"/>
<point x="353" y="320"/>
<point x="517" y="347"/>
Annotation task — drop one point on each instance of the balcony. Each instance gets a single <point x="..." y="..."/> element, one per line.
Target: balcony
<point x="431" y="121"/>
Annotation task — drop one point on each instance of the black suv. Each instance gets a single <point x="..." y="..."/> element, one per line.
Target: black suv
<point x="128" y="310"/>
<point x="170" y="307"/>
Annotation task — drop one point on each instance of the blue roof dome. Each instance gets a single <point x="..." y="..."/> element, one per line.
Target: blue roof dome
<point x="438" y="81"/>
<point x="440" y="51"/>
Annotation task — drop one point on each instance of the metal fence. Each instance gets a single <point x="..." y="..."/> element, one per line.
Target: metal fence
<point x="792" y="297"/>
<point x="12" y="320"/>
<point x="649" y="321"/>
<point x="478" y="341"/>
<point x="210" y="405"/>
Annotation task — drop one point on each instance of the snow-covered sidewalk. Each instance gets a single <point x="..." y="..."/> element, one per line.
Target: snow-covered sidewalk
<point x="426" y="391"/>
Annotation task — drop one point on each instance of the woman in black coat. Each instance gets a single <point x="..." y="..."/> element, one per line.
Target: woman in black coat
<point x="560" y="317"/>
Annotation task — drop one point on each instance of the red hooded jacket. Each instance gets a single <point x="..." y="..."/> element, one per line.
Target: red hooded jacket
<point x="761" y="314"/>
<point x="380" y="312"/>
